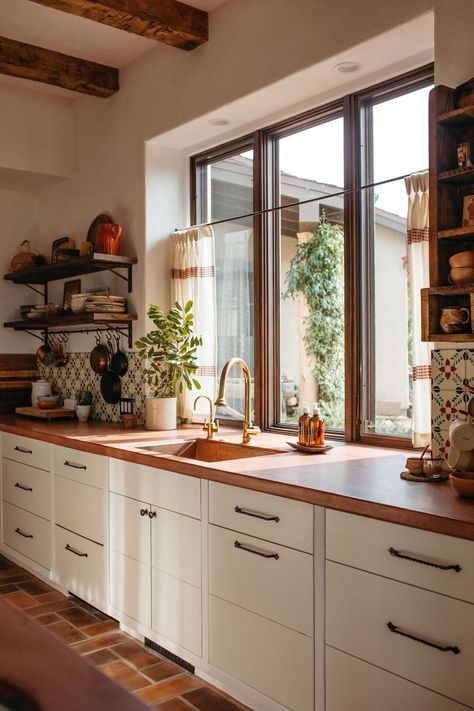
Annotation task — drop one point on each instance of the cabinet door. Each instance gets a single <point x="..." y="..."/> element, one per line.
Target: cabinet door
<point x="130" y="587"/>
<point x="27" y="534"/>
<point x="176" y="546"/>
<point x="176" y="611"/>
<point x="353" y="685"/>
<point x="130" y="528"/>
<point x="33" y="452"/>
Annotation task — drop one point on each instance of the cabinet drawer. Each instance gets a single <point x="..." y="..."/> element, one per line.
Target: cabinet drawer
<point x="80" y="466"/>
<point x="276" y="661"/>
<point x="366" y="543"/>
<point x="130" y="587"/>
<point x="176" y="611"/>
<point x="27" y="487"/>
<point x="129" y="530"/>
<point x="352" y="685"/>
<point x="176" y="492"/>
<point x="80" y="566"/>
<point x="79" y="508"/>
<point x="27" y="534"/>
<point x="359" y="608"/>
<point x="278" y="588"/>
<point x="263" y="515"/>
<point x="176" y="546"/>
<point x="27" y="451"/>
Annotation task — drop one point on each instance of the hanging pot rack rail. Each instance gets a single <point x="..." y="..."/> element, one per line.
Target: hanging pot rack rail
<point x="117" y="330"/>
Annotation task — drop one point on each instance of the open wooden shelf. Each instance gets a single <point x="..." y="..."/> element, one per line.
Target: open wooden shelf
<point x="451" y="290"/>
<point x="458" y="176"/>
<point x="458" y="117"/>
<point x="81" y="319"/>
<point x="451" y="337"/>
<point x="457" y="233"/>
<point x="89" y="264"/>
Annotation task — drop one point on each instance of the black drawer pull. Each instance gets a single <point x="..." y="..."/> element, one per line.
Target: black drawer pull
<point x="143" y="512"/>
<point x="67" y="547"/>
<point x="25" y="535"/>
<point x="74" y="466"/>
<point x="254" y="514"/>
<point x="237" y="544"/>
<point x="393" y="628"/>
<point x="397" y="554"/>
<point x="152" y="514"/>
<point x="23" y="450"/>
<point x="23" y="487"/>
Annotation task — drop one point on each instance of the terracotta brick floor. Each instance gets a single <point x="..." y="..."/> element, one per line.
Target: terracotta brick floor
<point x="96" y="637"/>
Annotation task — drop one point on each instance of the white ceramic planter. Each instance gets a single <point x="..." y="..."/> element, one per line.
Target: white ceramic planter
<point x="160" y="413"/>
<point x="83" y="412"/>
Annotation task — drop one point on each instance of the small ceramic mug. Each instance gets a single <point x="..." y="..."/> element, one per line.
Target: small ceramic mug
<point x="453" y="320"/>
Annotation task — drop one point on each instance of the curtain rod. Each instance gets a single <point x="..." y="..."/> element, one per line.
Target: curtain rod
<point x="294" y="204"/>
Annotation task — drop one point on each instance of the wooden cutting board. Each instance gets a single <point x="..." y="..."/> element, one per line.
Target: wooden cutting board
<point x="55" y="414"/>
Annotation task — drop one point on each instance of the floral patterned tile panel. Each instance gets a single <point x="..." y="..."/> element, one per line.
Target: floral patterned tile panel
<point x="78" y="375"/>
<point x="452" y="371"/>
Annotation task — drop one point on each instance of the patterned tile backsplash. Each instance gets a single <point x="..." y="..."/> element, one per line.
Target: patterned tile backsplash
<point x="452" y="370"/>
<point x="78" y="375"/>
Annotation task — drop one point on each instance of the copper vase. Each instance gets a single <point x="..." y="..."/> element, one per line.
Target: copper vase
<point x="107" y="240"/>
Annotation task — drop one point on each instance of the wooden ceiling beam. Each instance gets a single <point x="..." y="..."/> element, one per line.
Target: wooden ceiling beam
<point x="26" y="61"/>
<point x="168" y="21"/>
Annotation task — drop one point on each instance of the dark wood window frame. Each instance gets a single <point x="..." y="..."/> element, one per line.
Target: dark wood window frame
<point x="355" y="109"/>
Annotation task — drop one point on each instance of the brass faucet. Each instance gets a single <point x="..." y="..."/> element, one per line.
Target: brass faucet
<point x="212" y="426"/>
<point x="249" y="430"/>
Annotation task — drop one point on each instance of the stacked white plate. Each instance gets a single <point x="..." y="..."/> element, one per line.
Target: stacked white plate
<point x="97" y="303"/>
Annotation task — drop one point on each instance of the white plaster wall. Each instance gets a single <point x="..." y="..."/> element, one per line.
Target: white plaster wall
<point x="36" y="132"/>
<point x="19" y="221"/>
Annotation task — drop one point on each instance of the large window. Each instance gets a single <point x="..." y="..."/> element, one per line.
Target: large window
<point x="313" y="289"/>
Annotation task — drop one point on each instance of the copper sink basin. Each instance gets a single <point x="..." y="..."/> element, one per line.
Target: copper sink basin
<point x="208" y="450"/>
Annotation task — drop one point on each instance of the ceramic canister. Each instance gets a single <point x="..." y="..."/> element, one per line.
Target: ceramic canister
<point x="39" y="388"/>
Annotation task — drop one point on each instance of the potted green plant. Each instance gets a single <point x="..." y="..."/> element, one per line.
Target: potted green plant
<point x="84" y="404"/>
<point x="170" y="353"/>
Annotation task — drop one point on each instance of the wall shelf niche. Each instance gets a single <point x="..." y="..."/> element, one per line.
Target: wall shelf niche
<point x="451" y="122"/>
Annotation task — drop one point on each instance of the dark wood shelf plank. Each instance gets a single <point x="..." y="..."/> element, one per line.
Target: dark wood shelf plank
<point x="458" y="176"/>
<point x="452" y="337"/>
<point x="81" y="319"/>
<point x="458" y="117"/>
<point x="74" y="267"/>
<point x="457" y="233"/>
<point x="451" y="290"/>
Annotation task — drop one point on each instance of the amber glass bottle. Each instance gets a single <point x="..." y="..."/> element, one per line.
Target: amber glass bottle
<point x="313" y="426"/>
<point x="317" y="425"/>
<point x="303" y="427"/>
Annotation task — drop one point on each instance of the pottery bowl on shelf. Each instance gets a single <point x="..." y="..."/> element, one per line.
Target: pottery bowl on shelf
<point x="463" y="484"/>
<point x="462" y="259"/>
<point x="462" y="275"/>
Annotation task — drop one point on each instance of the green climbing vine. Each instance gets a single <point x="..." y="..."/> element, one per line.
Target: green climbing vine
<point x="317" y="272"/>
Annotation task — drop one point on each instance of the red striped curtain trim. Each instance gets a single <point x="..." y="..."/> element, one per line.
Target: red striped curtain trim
<point x="207" y="370"/>
<point x="417" y="235"/>
<point x="193" y="272"/>
<point x="421" y="372"/>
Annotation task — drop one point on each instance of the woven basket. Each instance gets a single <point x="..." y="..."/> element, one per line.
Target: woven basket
<point x="23" y="260"/>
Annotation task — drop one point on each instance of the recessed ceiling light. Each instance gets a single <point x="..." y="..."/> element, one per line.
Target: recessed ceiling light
<point x="348" y="67"/>
<point x="219" y="122"/>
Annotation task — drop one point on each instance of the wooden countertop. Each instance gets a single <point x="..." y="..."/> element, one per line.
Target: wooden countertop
<point x="354" y="478"/>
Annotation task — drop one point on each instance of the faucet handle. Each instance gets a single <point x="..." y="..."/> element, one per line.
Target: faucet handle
<point x="211" y="428"/>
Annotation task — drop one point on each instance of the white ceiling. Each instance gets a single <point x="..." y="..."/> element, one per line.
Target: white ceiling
<point x="28" y="22"/>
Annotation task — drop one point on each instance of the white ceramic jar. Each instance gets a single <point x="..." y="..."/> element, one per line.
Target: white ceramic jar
<point x="39" y="388"/>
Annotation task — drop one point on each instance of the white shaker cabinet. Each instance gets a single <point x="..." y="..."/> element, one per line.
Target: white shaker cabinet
<point x="155" y="551"/>
<point x="80" y="531"/>
<point x="390" y="633"/>
<point x="26" y="498"/>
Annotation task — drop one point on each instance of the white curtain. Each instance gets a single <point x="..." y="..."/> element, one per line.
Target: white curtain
<point x="418" y="262"/>
<point x="193" y="277"/>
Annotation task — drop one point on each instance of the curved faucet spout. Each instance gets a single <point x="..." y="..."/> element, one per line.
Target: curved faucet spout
<point x="248" y="428"/>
